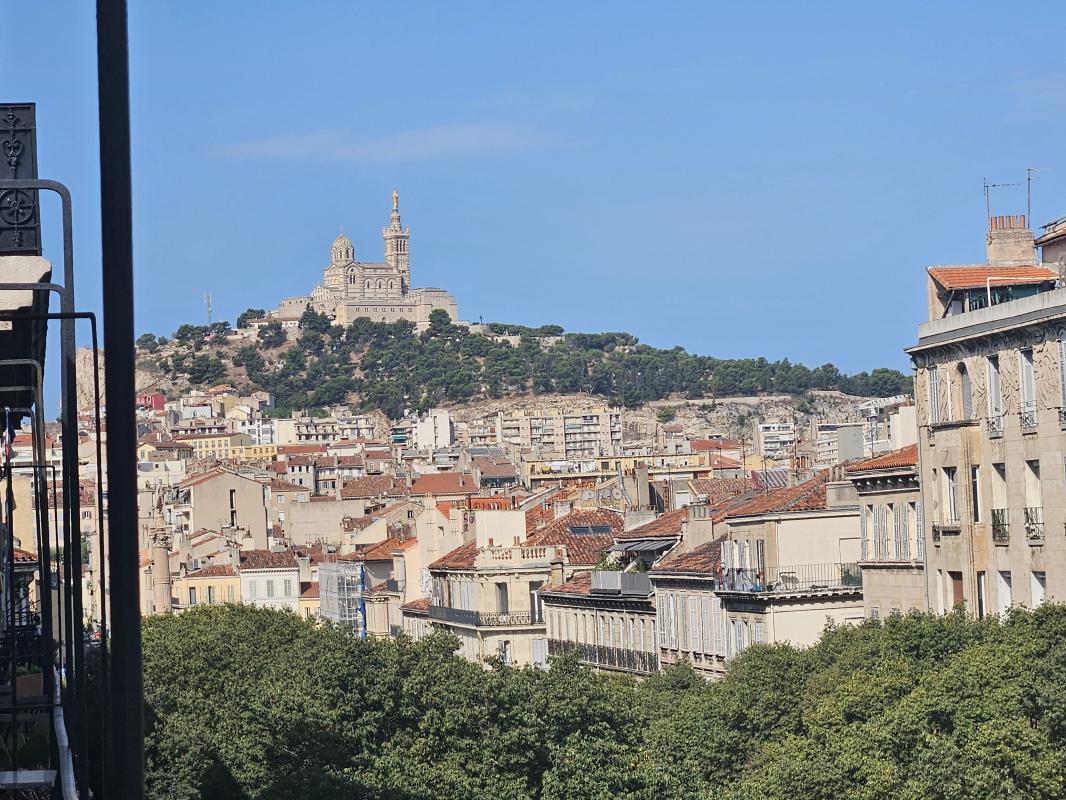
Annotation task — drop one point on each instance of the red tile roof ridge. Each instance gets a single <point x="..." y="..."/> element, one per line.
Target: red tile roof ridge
<point x="974" y="276"/>
<point x="903" y="457"/>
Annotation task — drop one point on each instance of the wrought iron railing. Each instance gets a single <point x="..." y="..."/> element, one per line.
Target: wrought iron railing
<point x="1000" y="526"/>
<point x="995" y="425"/>
<point x="1034" y="525"/>
<point x="481" y="619"/>
<point x="798" y="578"/>
<point x="602" y="656"/>
<point x="1027" y="419"/>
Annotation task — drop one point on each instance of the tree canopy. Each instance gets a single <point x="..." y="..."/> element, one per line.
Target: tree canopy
<point x="392" y="368"/>
<point x="256" y="703"/>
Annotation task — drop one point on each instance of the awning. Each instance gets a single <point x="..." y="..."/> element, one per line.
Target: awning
<point x="641" y="546"/>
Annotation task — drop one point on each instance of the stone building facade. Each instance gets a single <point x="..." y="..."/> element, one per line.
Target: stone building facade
<point x="892" y="556"/>
<point x="991" y="395"/>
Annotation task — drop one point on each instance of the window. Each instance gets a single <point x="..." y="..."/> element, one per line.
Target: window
<point x="965" y="393"/>
<point x="951" y="507"/>
<point x="957" y="598"/>
<point x="251" y="590"/>
<point x="192" y="595"/>
<point x="1037" y="589"/>
<point x="934" y="394"/>
<point x="288" y="587"/>
<point x="270" y="588"/>
<point x="919" y="529"/>
<point x="982" y="601"/>
<point x="1028" y="392"/>
<point x="502" y="604"/>
<point x="758" y="632"/>
<point x="536" y="607"/>
<point x="875" y="612"/>
<point x="210" y="595"/>
<point x="1062" y="373"/>
<point x="1003" y="589"/>
<point x="694" y="623"/>
<point x="975" y="492"/>
<point x="229" y="594"/>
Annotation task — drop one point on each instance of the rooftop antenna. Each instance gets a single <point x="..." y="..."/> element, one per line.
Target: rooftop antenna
<point x="988" y="194"/>
<point x="208" y="301"/>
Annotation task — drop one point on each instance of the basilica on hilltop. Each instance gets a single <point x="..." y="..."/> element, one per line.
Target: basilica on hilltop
<point x="380" y="291"/>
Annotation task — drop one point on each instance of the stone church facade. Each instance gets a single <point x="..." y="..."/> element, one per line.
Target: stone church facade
<point x="380" y="291"/>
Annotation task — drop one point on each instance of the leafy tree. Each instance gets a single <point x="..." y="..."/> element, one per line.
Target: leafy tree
<point x="249" y="314"/>
<point x="147" y="341"/>
<point x="272" y="335"/>
<point x="204" y="369"/>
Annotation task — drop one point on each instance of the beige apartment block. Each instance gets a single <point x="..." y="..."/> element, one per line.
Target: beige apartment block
<point x="785" y="566"/>
<point x="219" y="500"/>
<point x="563" y="433"/>
<point x="488" y="591"/>
<point x="893" y="548"/>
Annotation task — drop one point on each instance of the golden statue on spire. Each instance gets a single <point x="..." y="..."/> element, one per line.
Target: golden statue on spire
<point x="395" y="200"/>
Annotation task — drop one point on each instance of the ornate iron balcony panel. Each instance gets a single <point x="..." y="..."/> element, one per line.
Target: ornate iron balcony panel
<point x="1000" y="526"/>
<point x="1027" y="420"/>
<point x="995" y="425"/>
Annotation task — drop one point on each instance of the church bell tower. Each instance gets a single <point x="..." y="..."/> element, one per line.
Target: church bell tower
<point x="396" y="239"/>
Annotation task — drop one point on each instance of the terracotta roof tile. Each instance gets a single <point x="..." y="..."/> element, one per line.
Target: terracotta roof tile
<point x="667" y="525"/>
<point x="374" y="486"/>
<point x="461" y="557"/>
<point x="718" y="490"/>
<point x="419" y="606"/>
<point x="267" y="559"/>
<point x="807" y="496"/>
<point x="582" y="549"/>
<point x="580" y="584"/>
<point x="904" y="457"/>
<point x="714" y="444"/>
<point x="214" y="571"/>
<point x="974" y="277"/>
<point x="444" y="483"/>
<point x="701" y="561"/>
<point x="310" y="591"/>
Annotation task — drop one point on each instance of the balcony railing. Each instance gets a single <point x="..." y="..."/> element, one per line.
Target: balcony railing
<point x="995" y="425"/>
<point x="480" y="619"/>
<point x="799" y="578"/>
<point x="619" y="658"/>
<point x="1062" y="417"/>
<point x="1000" y="526"/>
<point x="1027" y="419"/>
<point x="1034" y="525"/>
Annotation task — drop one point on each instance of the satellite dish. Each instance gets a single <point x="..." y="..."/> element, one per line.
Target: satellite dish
<point x="616" y="493"/>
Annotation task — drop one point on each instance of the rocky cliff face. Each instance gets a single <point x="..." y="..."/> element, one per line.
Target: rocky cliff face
<point x="83" y="362"/>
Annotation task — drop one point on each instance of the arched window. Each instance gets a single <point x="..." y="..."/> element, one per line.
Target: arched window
<point x="392" y="284"/>
<point x="381" y="284"/>
<point x="369" y="284"/>
<point x="965" y="407"/>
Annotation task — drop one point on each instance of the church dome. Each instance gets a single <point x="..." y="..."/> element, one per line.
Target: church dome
<point x="342" y="251"/>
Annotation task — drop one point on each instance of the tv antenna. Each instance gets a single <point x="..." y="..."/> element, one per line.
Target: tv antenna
<point x="209" y="302"/>
<point x="988" y="194"/>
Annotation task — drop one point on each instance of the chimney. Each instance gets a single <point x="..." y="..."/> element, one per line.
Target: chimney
<point x="557" y="576"/>
<point x="1010" y="242"/>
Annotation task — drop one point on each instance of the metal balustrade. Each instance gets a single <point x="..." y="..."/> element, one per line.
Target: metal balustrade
<point x="483" y="619"/>
<point x="795" y="578"/>
<point x="604" y="657"/>
<point x="1000" y="526"/>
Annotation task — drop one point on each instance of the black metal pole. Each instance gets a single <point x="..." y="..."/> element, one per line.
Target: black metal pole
<point x="126" y="769"/>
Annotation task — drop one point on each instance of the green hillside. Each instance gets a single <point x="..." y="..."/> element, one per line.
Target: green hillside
<point x="390" y="367"/>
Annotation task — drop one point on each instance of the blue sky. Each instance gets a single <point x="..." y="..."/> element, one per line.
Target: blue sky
<point x="739" y="179"/>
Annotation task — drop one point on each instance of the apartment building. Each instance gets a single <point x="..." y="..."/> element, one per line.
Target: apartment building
<point x="786" y="562"/>
<point x="837" y="442"/>
<point x="569" y="434"/>
<point x="991" y="395"/>
<point x="488" y="591"/>
<point x="893" y="547"/>
<point x="775" y="439"/>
